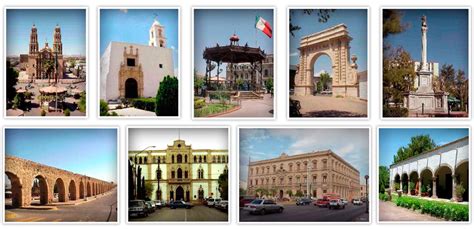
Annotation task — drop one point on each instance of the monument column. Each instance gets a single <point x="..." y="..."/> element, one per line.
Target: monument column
<point x="424" y="43"/>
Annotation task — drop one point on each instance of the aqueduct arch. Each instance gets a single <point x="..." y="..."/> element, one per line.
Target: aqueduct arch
<point x="27" y="177"/>
<point x="333" y="42"/>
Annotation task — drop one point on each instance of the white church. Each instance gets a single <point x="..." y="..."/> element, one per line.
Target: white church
<point x="135" y="70"/>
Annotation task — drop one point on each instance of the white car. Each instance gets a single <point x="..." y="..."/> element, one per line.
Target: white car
<point x="357" y="202"/>
<point x="344" y="201"/>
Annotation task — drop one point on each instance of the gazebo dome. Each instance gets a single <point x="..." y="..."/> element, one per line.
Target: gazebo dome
<point x="234" y="38"/>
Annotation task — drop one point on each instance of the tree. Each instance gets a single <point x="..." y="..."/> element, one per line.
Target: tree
<point x="299" y="193"/>
<point x="398" y="78"/>
<point x="167" y="97"/>
<point x="242" y="192"/>
<point x="462" y="89"/>
<point x="323" y="16"/>
<point x="199" y="82"/>
<point x="104" y="108"/>
<point x="269" y="85"/>
<point x="261" y="192"/>
<point x="239" y="83"/>
<point x="418" y="144"/>
<point x="384" y="178"/>
<point x="324" y="78"/>
<point x="82" y="102"/>
<point x="148" y="190"/>
<point x="446" y="78"/>
<point x="392" y="22"/>
<point x="289" y="192"/>
<point x="19" y="101"/>
<point x="223" y="183"/>
<point x="12" y="80"/>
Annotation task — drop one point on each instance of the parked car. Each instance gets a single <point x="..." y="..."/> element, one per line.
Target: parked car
<point x="336" y="204"/>
<point x="344" y="201"/>
<point x="303" y="201"/>
<point x="223" y="205"/>
<point x="151" y="206"/>
<point x="212" y="202"/>
<point x="160" y="203"/>
<point x="322" y="203"/>
<point x="180" y="204"/>
<point x="262" y="207"/>
<point x="137" y="208"/>
<point x="245" y="200"/>
<point x="357" y="202"/>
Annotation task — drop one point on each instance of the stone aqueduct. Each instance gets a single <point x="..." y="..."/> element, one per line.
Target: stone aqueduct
<point x="70" y="186"/>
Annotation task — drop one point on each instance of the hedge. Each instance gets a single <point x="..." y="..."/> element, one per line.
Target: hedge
<point x="448" y="211"/>
<point x="147" y="104"/>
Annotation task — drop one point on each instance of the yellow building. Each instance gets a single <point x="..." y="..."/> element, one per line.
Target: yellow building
<point x="186" y="173"/>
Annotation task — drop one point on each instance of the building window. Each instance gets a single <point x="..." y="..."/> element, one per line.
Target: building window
<point x="273" y="181"/>
<point x="172" y="174"/>
<point x="290" y="180"/>
<point x="179" y="158"/>
<point x="161" y="65"/>
<point x="194" y="159"/>
<point x="130" y="62"/>
<point x="205" y="160"/>
<point x="172" y="158"/>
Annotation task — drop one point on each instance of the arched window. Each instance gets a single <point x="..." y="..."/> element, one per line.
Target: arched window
<point x="186" y="174"/>
<point x="172" y="159"/>
<point x="179" y="173"/>
<point x="146" y="160"/>
<point x="205" y="159"/>
<point x="200" y="159"/>
<point x="179" y="158"/>
<point x="172" y="174"/>
<point x="140" y="160"/>
<point x="213" y="159"/>
<point x="194" y="160"/>
<point x="185" y="158"/>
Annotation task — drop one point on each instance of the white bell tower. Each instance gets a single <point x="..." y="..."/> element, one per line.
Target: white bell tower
<point x="157" y="35"/>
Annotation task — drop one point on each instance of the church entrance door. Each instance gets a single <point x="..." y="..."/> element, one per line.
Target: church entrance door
<point x="131" y="88"/>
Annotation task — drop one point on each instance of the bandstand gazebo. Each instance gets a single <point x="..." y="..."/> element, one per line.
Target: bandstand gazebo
<point x="235" y="54"/>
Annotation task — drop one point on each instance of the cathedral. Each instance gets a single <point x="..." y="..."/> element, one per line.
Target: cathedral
<point x="47" y="62"/>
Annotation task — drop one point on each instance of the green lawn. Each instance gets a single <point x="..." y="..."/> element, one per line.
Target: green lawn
<point x="210" y="109"/>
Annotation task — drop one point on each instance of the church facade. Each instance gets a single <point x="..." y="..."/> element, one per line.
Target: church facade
<point x="135" y="70"/>
<point x="181" y="172"/>
<point x="47" y="62"/>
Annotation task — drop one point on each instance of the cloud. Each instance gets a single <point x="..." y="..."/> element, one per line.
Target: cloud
<point x="294" y="54"/>
<point x="124" y="10"/>
<point x="172" y="47"/>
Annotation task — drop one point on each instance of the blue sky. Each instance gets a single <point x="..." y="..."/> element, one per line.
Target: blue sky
<point x="263" y="144"/>
<point x="391" y="139"/>
<point x="447" y="35"/>
<point x="133" y="25"/>
<point x="212" y="26"/>
<point x="354" y="19"/>
<point x="92" y="152"/>
<point x="71" y="21"/>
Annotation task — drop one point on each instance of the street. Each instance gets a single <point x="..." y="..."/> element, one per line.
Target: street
<point x="309" y="213"/>
<point x="102" y="209"/>
<point x="197" y="213"/>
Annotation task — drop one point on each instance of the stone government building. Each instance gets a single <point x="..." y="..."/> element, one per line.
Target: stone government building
<point x="186" y="173"/>
<point x="435" y="169"/>
<point x="325" y="171"/>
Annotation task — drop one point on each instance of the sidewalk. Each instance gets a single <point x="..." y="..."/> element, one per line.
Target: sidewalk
<point x="388" y="211"/>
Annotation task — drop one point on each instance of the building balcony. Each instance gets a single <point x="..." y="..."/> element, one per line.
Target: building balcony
<point x="179" y="180"/>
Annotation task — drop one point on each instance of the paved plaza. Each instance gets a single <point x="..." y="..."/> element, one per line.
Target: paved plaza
<point x="328" y="106"/>
<point x="253" y="108"/>
<point x="388" y="211"/>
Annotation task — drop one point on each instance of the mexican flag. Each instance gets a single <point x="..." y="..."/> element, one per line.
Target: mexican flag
<point x="264" y="26"/>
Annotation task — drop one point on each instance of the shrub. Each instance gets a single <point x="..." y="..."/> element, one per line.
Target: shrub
<point x="82" y="102"/>
<point x="199" y="103"/>
<point x="167" y="97"/>
<point x="448" y="211"/>
<point x="383" y="197"/>
<point x="67" y="112"/>
<point x="394" y="111"/>
<point x="104" y="108"/>
<point x="147" y="104"/>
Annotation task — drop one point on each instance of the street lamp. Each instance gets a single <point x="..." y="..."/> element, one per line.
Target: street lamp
<point x="366" y="194"/>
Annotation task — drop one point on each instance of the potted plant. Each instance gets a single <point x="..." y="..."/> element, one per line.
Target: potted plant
<point x="412" y="188"/>
<point x="459" y="192"/>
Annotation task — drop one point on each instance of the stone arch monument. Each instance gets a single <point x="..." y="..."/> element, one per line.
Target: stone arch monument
<point x="333" y="42"/>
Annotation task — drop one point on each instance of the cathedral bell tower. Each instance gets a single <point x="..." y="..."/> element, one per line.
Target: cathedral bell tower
<point x="57" y="44"/>
<point x="157" y="35"/>
<point x="33" y="40"/>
